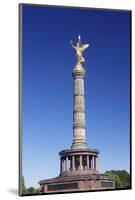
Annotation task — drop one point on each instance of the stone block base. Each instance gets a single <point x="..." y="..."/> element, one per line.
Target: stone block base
<point x="76" y="183"/>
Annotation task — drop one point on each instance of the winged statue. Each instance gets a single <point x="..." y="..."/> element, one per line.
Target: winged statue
<point x="79" y="49"/>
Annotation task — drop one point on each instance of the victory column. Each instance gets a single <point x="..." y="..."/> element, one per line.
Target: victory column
<point x="78" y="165"/>
<point x="79" y="133"/>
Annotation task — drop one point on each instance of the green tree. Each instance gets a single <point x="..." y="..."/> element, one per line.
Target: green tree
<point x="115" y="177"/>
<point x="123" y="180"/>
<point x="32" y="190"/>
<point x="22" y="185"/>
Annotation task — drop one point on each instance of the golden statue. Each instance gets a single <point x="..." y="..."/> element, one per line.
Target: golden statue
<point x="79" y="49"/>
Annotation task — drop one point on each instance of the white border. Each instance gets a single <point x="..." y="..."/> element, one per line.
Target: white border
<point x="9" y="97"/>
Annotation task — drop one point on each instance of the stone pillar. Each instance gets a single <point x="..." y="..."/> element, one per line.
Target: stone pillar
<point x="88" y="163"/>
<point x="45" y="187"/>
<point x="81" y="166"/>
<point x="62" y="164"/>
<point x="70" y="163"/>
<point x="67" y="163"/>
<point x="96" y="163"/>
<point x="79" y="135"/>
<point x="93" y="162"/>
<point x="73" y="163"/>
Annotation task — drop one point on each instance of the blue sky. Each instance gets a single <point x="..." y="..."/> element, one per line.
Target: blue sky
<point x="47" y="86"/>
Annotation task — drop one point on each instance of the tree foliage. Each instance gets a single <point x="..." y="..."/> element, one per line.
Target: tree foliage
<point x="121" y="177"/>
<point x="22" y="185"/>
<point x="116" y="178"/>
<point x="30" y="190"/>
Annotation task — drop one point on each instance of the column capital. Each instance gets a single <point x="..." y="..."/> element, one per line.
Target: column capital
<point x="78" y="71"/>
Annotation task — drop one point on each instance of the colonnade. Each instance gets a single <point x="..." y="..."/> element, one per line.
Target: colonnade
<point x="78" y="162"/>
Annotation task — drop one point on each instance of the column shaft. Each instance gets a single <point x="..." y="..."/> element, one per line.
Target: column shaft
<point x="96" y="163"/>
<point x="62" y="164"/>
<point x="66" y="163"/>
<point x="79" y="133"/>
<point x="88" y="163"/>
<point x="73" y="163"/>
<point x="93" y="162"/>
<point x="81" y="166"/>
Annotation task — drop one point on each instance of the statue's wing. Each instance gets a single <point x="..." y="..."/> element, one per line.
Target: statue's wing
<point x="85" y="46"/>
